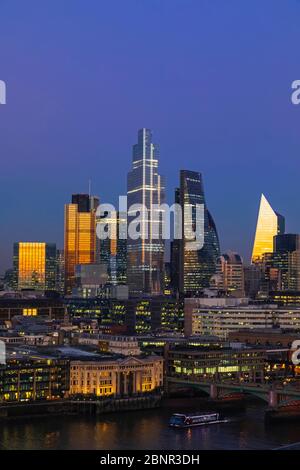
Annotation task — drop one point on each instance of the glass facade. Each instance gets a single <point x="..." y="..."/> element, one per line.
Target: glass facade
<point x="113" y="250"/>
<point x="269" y="224"/>
<point x="80" y="237"/>
<point x="35" y="265"/>
<point x="145" y="255"/>
<point x="281" y="268"/>
<point x="196" y="266"/>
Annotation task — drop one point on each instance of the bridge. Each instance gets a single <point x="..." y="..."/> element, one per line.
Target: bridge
<point x="272" y="394"/>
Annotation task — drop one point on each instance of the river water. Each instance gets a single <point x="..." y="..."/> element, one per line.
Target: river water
<point x="148" y="430"/>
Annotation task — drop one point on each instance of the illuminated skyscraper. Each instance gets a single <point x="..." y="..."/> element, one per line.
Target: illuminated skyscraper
<point x="269" y="224"/>
<point x="113" y="253"/>
<point x="196" y="266"/>
<point x="145" y="255"/>
<point x="35" y="265"/>
<point x="80" y="236"/>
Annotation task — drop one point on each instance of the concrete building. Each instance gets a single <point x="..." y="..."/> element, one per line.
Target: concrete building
<point x="221" y="321"/>
<point x="230" y="271"/>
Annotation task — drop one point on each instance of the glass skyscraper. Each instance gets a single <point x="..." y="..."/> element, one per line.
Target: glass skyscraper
<point x="269" y="224"/>
<point x="196" y="266"/>
<point x="80" y="236"/>
<point x="145" y="255"/>
<point x="35" y="265"/>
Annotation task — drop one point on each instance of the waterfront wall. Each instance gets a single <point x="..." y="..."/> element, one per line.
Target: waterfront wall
<point x="75" y="407"/>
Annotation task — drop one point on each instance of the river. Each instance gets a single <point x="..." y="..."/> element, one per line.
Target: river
<point x="148" y="430"/>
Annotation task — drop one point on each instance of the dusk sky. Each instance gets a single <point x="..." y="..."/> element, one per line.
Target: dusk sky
<point x="211" y="78"/>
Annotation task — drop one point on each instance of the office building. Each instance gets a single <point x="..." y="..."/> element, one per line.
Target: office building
<point x="90" y="280"/>
<point x="35" y="266"/>
<point x="220" y="322"/>
<point x="80" y="236"/>
<point x="145" y="255"/>
<point x="281" y="268"/>
<point x="269" y="224"/>
<point x="253" y="279"/>
<point x="197" y="266"/>
<point x="27" y="377"/>
<point x="215" y="363"/>
<point x="230" y="271"/>
<point x="113" y="249"/>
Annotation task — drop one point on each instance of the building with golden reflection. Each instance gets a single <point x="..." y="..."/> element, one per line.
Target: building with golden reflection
<point x="269" y="224"/>
<point x="80" y="236"/>
<point x="124" y="377"/>
<point x="35" y="265"/>
<point x="30" y="377"/>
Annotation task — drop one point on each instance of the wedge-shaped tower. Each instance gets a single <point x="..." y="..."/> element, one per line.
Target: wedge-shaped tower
<point x="269" y="224"/>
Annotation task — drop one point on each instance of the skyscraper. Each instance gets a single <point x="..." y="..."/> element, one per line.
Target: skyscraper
<point x="80" y="236"/>
<point x="281" y="267"/>
<point x="196" y="266"/>
<point x="269" y="224"/>
<point x="35" y="265"/>
<point x="145" y="255"/>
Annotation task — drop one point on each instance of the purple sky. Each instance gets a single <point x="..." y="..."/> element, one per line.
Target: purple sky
<point x="212" y="78"/>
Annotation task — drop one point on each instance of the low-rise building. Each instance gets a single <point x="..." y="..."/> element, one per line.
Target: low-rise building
<point x="114" y="377"/>
<point x="123" y="345"/>
<point x="220" y="322"/>
<point x="27" y="377"/>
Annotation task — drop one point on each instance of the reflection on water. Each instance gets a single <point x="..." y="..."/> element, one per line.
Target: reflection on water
<point x="147" y="430"/>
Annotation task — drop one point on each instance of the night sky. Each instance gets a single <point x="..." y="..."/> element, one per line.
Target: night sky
<point x="211" y="78"/>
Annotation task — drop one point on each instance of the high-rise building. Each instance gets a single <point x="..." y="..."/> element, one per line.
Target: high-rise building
<point x="196" y="266"/>
<point x="113" y="249"/>
<point x="269" y="224"/>
<point x="35" y="265"/>
<point x="230" y="269"/>
<point x="145" y="255"/>
<point x="281" y="267"/>
<point x="60" y="272"/>
<point x="80" y="236"/>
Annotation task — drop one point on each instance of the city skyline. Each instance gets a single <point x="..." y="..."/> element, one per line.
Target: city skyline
<point x="246" y="260"/>
<point x="210" y="103"/>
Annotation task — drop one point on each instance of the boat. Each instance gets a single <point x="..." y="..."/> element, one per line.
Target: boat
<point x="179" y="420"/>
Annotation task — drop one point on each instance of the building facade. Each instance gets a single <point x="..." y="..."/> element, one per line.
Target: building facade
<point x="221" y="321"/>
<point x="35" y="265"/>
<point x="119" y="377"/>
<point x="145" y="187"/>
<point x="80" y="236"/>
<point x="230" y="271"/>
<point x="113" y="249"/>
<point x="216" y="363"/>
<point x="269" y="224"/>
<point x="33" y="378"/>
<point x="197" y="266"/>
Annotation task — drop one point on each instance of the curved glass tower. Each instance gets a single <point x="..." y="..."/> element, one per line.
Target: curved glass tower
<point x="197" y="266"/>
